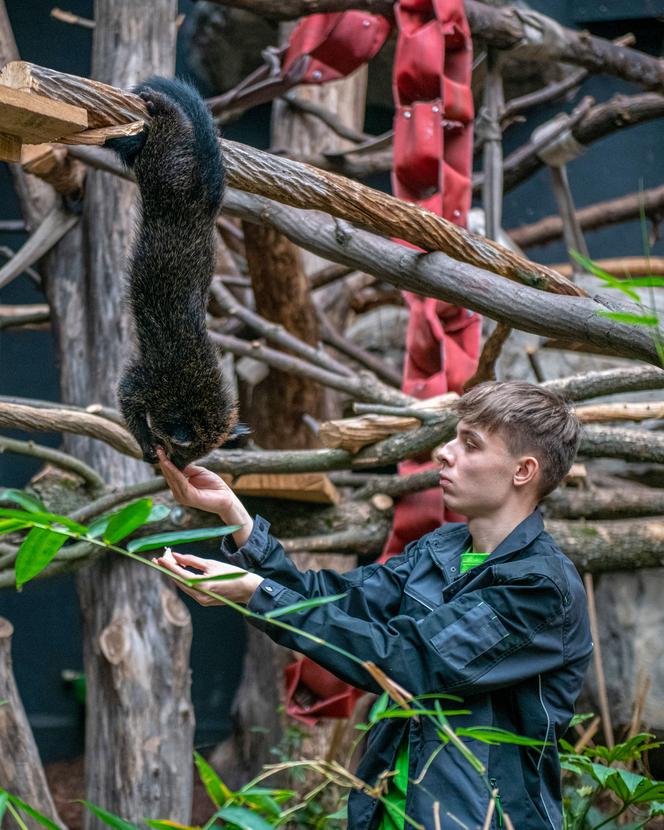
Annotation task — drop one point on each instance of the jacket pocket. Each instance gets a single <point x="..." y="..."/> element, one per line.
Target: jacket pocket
<point x="474" y="633"/>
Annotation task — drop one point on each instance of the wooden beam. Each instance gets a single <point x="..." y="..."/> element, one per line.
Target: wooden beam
<point x="35" y="119"/>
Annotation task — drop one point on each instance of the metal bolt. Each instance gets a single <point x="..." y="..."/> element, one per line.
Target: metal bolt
<point x="407" y="114"/>
<point x="435" y="109"/>
<point x="456" y="213"/>
<point x="317" y="75"/>
<point x="366" y="23"/>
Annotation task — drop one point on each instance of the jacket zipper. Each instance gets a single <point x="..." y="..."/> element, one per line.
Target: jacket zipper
<point x="499" y="806"/>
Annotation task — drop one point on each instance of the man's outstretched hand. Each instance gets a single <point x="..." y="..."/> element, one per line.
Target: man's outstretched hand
<point x="239" y="590"/>
<point x="204" y="490"/>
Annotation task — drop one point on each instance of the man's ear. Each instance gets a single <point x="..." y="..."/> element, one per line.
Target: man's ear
<point x="526" y="471"/>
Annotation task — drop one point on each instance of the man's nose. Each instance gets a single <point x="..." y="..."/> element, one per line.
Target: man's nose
<point x="442" y="455"/>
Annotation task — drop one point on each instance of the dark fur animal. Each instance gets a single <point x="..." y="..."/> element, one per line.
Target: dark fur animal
<point x="172" y="393"/>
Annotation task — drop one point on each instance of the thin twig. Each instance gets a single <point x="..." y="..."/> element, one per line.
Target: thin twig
<point x="597" y="659"/>
<point x="276" y="333"/>
<point x="56" y="457"/>
<point x="329" y="118"/>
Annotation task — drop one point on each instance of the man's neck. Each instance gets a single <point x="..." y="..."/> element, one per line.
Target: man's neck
<point x="488" y="532"/>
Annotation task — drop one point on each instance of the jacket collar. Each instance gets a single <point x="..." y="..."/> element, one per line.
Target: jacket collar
<point x="457" y="540"/>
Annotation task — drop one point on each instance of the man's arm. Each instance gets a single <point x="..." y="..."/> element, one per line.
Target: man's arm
<point x="483" y="640"/>
<point x="255" y="550"/>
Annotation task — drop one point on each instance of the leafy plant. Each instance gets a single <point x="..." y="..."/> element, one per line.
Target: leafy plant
<point x="628" y="790"/>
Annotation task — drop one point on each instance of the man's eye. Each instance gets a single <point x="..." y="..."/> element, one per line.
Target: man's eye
<point x="470" y="445"/>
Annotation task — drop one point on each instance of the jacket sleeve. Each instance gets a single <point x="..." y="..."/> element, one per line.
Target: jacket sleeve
<point x="372" y="592"/>
<point x="481" y="641"/>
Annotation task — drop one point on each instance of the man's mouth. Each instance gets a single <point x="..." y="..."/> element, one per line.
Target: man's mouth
<point x="444" y="480"/>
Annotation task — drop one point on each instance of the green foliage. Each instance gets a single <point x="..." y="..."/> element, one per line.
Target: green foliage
<point x="180" y="537"/>
<point x="629" y="790"/>
<point x="36" y="552"/>
<point x="49" y="532"/>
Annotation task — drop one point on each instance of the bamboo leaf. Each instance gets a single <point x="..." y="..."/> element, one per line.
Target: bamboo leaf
<point x="167" y="824"/>
<point x="4" y="800"/>
<point x="98" y="527"/>
<point x="494" y="735"/>
<point x="35" y="814"/>
<point x="35" y="517"/>
<point x="647" y="281"/>
<point x="36" y="552"/>
<point x="243" y="818"/>
<point x="127" y="520"/>
<point x="10" y="525"/>
<point x="301" y="606"/>
<point x="180" y="537"/>
<point x="25" y="500"/>
<point x="215" y="787"/>
<point x="109" y="818"/>
<point x="648" y="320"/>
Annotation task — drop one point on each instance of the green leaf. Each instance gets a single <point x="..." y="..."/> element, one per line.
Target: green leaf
<point x="127" y="520"/>
<point x="648" y="320"/>
<point x="109" y="818"/>
<point x="35" y="814"/>
<point x="98" y="527"/>
<point x="643" y="282"/>
<point x="4" y="800"/>
<point x="301" y="606"/>
<point x="181" y="537"/>
<point x="611" y="281"/>
<point x="25" y="500"/>
<point x="37" y="550"/>
<point x="629" y="750"/>
<point x="10" y="525"/>
<point x="216" y="789"/>
<point x="577" y="719"/>
<point x="167" y="824"/>
<point x="243" y="818"/>
<point x="494" y="735"/>
<point x="33" y="517"/>
<point x="656" y="809"/>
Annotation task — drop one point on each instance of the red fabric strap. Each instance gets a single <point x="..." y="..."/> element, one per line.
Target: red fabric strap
<point x="433" y="146"/>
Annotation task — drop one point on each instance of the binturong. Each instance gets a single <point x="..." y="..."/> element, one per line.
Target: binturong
<point x="172" y="393"/>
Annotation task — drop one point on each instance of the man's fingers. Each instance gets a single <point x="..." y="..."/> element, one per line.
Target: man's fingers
<point x="193" y="561"/>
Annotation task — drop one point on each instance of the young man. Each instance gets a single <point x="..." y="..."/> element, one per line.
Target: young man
<point x="491" y="611"/>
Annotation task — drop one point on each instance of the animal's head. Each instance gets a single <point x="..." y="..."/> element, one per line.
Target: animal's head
<point x="188" y="425"/>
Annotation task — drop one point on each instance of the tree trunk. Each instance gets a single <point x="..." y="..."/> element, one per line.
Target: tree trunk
<point x="137" y="633"/>
<point x="21" y="771"/>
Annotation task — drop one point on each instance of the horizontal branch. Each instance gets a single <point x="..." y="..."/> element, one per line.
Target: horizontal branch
<point x="607" y="382"/>
<point x="610" y="212"/>
<point x="56" y="457"/>
<point x="18" y="416"/>
<point x="305" y="187"/>
<point x="606" y="503"/>
<point x="436" y="275"/>
<point x="363" y="386"/>
<point x="601" y="120"/>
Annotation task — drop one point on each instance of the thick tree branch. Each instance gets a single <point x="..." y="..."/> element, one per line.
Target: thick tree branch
<point x="305" y="187"/>
<point x="40" y="419"/>
<point x="435" y="275"/>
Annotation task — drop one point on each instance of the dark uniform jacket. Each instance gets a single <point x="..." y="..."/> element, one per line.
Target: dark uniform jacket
<point x="511" y="637"/>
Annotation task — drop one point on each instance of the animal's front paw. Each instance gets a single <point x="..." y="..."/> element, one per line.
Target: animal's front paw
<point x="157" y="104"/>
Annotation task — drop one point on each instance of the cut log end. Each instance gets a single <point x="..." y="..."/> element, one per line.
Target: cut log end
<point x="6" y="629"/>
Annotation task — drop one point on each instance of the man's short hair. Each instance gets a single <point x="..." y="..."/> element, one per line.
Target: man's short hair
<point x="531" y="420"/>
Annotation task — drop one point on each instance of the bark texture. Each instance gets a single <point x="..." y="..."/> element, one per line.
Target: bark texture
<point x="21" y="772"/>
<point x="136" y="631"/>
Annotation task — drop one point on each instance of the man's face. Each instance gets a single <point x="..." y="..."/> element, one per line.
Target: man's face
<point x="477" y="471"/>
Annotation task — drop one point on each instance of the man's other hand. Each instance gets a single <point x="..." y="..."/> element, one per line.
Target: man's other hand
<point x="239" y="589"/>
